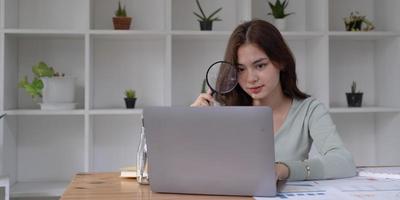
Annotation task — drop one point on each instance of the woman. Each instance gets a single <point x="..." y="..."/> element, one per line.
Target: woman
<point x="267" y="77"/>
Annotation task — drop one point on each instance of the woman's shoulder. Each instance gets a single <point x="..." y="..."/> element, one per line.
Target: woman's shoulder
<point x="308" y="102"/>
<point x="309" y="105"/>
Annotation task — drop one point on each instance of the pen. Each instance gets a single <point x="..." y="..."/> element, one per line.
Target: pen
<point x="3" y="115"/>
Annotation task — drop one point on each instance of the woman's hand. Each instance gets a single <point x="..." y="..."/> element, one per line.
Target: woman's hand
<point x="282" y="171"/>
<point x="204" y="99"/>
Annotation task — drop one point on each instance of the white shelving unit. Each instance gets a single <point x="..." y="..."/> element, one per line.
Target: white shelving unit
<point x="164" y="58"/>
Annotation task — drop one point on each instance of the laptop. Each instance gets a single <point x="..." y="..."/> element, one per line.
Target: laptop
<point x="212" y="150"/>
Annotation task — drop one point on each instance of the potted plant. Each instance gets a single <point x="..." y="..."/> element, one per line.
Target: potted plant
<point x="56" y="90"/>
<point x="121" y="21"/>
<point x="130" y="98"/>
<point x="355" y="22"/>
<point x="206" y="22"/>
<point x="278" y="12"/>
<point x="354" y="98"/>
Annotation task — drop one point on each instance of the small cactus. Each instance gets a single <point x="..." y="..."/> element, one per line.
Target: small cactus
<point x="121" y="11"/>
<point x="354" y="87"/>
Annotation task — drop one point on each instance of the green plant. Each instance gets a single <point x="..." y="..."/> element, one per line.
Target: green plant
<point x="130" y="94"/>
<point x="203" y="86"/>
<point x="355" y="20"/>
<point x="203" y="17"/>
<point x="278" y="9"/>
<point x="121" y="11"/>
<point x="354" y="87"/>
<point x="35" y="87"/>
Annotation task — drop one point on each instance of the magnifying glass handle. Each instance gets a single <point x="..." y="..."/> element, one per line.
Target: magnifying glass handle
<point x="212" y="95"/>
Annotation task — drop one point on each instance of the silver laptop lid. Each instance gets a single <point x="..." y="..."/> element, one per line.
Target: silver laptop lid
<point x="214" y="150"/>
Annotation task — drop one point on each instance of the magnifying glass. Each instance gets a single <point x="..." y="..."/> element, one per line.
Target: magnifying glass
<point x="221" y="77"/>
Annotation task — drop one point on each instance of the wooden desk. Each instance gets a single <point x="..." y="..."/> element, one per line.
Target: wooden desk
<point x="111" y="186"/>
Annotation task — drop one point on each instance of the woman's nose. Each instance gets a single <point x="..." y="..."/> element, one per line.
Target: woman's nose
<point x="252" y="77"/>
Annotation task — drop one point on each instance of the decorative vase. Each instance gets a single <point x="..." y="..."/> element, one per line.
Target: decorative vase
<point x="280" y="24"/>
<point x="142" y="161"/>
<point x="122" y="23"/>
<point x="58" y="93"/>
<point x="354" y="99"/>
<point x="130" y="102"/>
<point x="205" y="25"/>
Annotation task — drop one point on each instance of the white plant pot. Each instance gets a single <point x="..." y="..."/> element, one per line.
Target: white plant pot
<point x="58" y="93"/>
<point x="280" y="24"/>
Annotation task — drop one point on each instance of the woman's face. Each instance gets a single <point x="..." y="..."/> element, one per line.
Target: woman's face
<point x="258" y="77"/>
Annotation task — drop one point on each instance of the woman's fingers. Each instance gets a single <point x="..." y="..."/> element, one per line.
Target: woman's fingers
<point x="204" y="99"/>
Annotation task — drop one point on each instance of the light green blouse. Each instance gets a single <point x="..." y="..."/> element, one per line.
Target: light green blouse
<point x="308" y="122"/>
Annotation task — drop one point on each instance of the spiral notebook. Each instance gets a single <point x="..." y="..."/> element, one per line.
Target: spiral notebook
<point x="380" y="172"/>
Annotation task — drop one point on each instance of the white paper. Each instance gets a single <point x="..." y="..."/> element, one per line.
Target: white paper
<point x="358" y="188"/>
<point x="326" y="194"/>
<point x="380" y="172"/>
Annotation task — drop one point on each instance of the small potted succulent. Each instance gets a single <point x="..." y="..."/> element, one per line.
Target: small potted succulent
<point x="130" y="98"/>
<point x="204" y="20"/>
<point x="121" y="21"/>
<point x="354" y="98"/>
<point x="278" y="12"/>
<point x="56" y="90"/>
<point x="355" y="22"/>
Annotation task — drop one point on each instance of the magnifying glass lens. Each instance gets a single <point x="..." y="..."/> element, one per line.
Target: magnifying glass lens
<point x="221" y="77"/>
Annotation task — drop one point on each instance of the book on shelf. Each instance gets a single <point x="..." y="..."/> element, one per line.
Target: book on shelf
<point x="128" y="172"/>
<point x="380" y="172"/>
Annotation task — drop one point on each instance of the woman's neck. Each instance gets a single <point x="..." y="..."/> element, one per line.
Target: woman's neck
<point x="276" y="100"/>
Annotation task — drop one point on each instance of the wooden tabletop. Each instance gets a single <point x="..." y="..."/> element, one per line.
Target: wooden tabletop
<point x="111" y="186"/>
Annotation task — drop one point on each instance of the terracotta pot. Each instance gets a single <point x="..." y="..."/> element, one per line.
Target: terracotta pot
<point x="122" y="23"/>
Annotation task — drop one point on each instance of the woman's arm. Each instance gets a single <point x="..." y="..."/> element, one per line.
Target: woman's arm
<point x="335" y="161"/>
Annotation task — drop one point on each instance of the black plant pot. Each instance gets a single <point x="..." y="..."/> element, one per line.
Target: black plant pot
<point x="354" y="99"/>
<point x="205" y="25"/>
<point x="130" y="103"/>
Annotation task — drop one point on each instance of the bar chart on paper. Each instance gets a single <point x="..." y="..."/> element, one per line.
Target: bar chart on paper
<point x="309" y="192"/>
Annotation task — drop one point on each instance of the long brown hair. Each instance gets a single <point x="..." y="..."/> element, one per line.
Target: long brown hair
<point x="268" y="39"/>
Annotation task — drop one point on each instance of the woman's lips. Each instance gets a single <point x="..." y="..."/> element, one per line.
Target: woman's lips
<point x="255" y="90"/>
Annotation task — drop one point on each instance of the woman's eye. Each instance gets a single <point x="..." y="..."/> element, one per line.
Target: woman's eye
<point x="261" y="65"/>
<point x="240" y="69"/>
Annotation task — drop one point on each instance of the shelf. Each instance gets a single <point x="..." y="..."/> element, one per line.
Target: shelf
<point x="38" y="189"/>
<point x="201" y="34"/>
<point x="116" y="112"/>
<point x="363" y="110"/>
<point x="45" y="33"/>
<point x="301" y="35"/>
<point x="372" y="35"/>
<point x="140" y="111"/>
<point x="127" y="33"/>
<point x="44" y="112"/>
